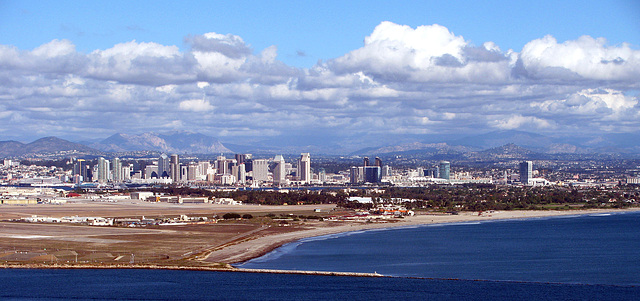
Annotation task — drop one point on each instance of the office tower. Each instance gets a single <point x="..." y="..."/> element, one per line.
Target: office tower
<point x="526" y="172"/>
<point x="366" y="161"/>
<point x="222" y="165"/>
<point x="372" y="174"/>
<point x="378" y="162"/>
<point x="126" y="173"/>
<point x="103" y="170"/>
<point x="354" y="175"/>
<point x="184" y="173"/>
<point x="164" y="167"/>
<point x="279" y="172"/>
<point x="192" y="171"/>
<point x="304" y="168"/>
<point x="386" y="171"/>
<point x="444" y="169"/>
<point x="243" y="158"/>
<point x="204" y="168"/>
<point x="151" y="171"/>
<point x="239" y="173"/>
<point x="116" y="170"/>
<point x="175" y="168"/>
<point x="322" y="175"/>
<point x="260" y="170"/>
<point x="80" y="169"/>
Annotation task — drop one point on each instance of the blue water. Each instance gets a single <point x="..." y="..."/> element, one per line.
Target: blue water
<point x="201" y="285"/>
<point x="570" y="258"/>
<point x="591" y="249"/>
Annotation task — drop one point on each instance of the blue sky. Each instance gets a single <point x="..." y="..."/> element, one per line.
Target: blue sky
<point x="349" y="73"/>
<point x="318" y="29"/>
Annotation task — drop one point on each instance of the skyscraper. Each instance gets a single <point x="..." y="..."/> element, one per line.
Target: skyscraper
<point x="366" y="162"/>
<point x="378" y="162"/>
<point x="304" y="168"/>
<point x="373" y="174"/>
<point x="103" y="170"/>
<point x="443" y="169"/>
<point x="116" y="170"/>
<point x="80" y="168"/>
<point x="164" y="169"/>
<point x="526" y="172"/>
<point x="279" y="172"/>
<point x="175" y="168"/>
<point x="260" y="170"/>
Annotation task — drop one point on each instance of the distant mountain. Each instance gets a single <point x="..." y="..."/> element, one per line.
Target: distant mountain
<point x="508" y="151"/>
<point x="499" y="138"/>
<point x="431" y="148"/>
<point x="42" y="146"/>
<point x="11" y="148"/>
<point x="174" y="142"/>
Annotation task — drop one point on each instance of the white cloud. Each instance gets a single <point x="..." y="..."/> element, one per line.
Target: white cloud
<point x="403" y="80"/>
<point x="427" y="53"/>
<point x="196" y="105"/>
<point x="585" y="57"/>
<point x="522" y="122"/>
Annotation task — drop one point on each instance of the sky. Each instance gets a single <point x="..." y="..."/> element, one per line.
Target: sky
<point x="341" y="73"/>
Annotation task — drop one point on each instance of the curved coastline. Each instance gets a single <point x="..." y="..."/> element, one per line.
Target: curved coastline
<point x="244" y="251"/>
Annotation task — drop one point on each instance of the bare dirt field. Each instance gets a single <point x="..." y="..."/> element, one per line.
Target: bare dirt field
<point x="166" y="244"/>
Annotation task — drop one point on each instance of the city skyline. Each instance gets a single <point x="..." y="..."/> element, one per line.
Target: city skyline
<point x="423" y="69"/>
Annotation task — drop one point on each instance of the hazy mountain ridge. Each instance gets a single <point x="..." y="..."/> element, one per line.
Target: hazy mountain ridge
<point x="42" y="146"/>
<point x="498" y="144"/>
<point x="174" y="142"/>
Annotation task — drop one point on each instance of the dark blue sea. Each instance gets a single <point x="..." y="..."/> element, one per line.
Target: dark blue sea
<point x="592" y="257"/>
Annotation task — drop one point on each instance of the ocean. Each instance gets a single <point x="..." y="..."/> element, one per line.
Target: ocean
<point x="592" y="257"/>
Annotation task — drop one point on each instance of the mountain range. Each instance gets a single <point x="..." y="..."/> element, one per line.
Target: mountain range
<point x="44" y="146"/>
<point x="178" y="142"/>
<point x="505" y="144"/>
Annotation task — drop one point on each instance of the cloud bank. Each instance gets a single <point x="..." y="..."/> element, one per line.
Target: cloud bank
<point x="403" y="81"/>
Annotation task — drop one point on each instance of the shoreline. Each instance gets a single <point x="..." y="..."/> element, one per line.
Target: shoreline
<point x="244" y="251"/>
<point x="230" y="256"/>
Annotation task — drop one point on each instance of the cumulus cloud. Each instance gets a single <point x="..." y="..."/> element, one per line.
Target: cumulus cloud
<point x="196" y="105"/>
<point x="427" y="53"/>
<point x="586" y="57"/>
<point x="403" y="81"/>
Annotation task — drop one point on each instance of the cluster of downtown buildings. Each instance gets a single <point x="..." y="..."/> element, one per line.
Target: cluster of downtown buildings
<point x="241" y="170"/>
<point x="245" y="171"/>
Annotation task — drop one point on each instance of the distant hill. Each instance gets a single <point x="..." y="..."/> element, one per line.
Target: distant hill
<point x="42" y="146"/>
<point x="499" y="138"/>
<point x="431" y="148"/>
<point x="174" y="142"/>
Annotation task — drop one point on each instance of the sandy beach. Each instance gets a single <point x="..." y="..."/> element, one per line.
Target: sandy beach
<point x="258" y="245"/>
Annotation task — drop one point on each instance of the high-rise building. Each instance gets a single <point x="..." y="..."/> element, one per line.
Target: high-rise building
<point x="192" y="171"/>
<point x="164" y="167"/>
<point x="175" y="168"/>
<point x="386" y="171"/>
<point x="116" y="170"/>
<point x="239" y="173"/>
<point x="80" y="169"/>
<point x="223" y="165"/>
<point x="444" y="169"/>
<point x="354" y="174"/>
<point x="279" y="172"/>
<point x="304" y="168"/>
<point x="366" y="162"/>
<point x="378" y="162"/>
<point x="151" y="171"/>
<point x="260" y="170"/>
<point x="103" y="170"/>
<point x="526" y="172"/>
<point x="372" y="174"/>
